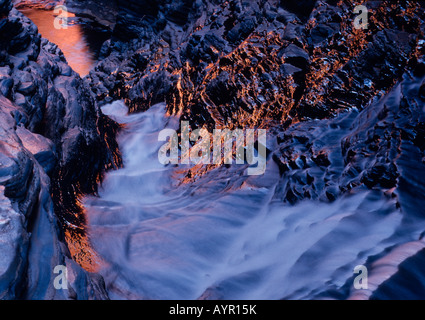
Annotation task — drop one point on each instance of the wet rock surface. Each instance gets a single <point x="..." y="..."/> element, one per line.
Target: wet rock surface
<point x="239" y="63"/>
<point x="344" y="109"/>
<point x="47" y="114"/>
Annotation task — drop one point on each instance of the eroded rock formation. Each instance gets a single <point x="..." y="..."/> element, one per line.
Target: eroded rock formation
<point x="299" y="69"/>
<point x="49" y="123"/>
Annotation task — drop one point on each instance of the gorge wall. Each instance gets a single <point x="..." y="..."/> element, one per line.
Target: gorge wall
<point x="49" y="123"/>
<point x="299" y="69"/>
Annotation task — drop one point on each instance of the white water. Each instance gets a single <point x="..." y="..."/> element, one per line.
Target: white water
<point x="224" y="236"/>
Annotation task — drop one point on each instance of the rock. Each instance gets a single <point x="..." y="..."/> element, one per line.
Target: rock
<point x="301" y="8"/>
<point x="293" y="51"/>
<point x="5" y="72"/>
<point x="42" y="103"/>
<point x="5" y="7"/>
<point x="101" y="11"/>
<point x="6" y="86"/>
<point x="41" y="148"/>
<point x="289" y="69"/>
<point x="344" y="107"/>
<point x="422" y="91"/>
<point x="13" y="244"/>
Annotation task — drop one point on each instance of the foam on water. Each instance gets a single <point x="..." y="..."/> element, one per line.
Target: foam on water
<point x="213" y="241"/>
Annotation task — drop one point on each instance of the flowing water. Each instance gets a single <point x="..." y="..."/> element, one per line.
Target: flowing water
<point x="225" y="236"/>
<point x="80" y="43"/>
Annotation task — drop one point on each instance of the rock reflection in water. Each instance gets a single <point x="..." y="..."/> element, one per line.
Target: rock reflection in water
<point x="72" y="40"/>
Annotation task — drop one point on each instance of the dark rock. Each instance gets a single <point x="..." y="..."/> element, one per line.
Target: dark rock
<point x="5" y="7"/>
<point x="6" y="86"/>
<point x="48" y="128"/>
<point x="345" y="106"/>
<point x="301" y="8"/>
<point x="41" y="148"/>
<point x="422" y="92"/>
